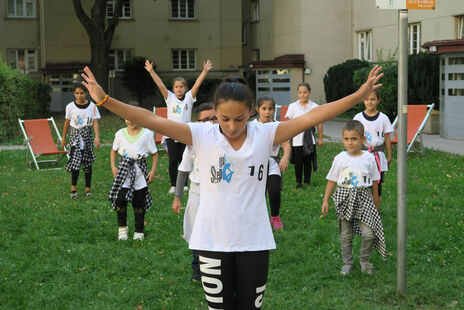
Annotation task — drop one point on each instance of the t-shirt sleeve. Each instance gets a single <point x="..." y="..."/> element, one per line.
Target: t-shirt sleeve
<point x="357" y="117"/>
<point x="334" y="171"/>
<point x="197" y="131"/>
<point x="373" y="170"/>
<point x="186" y="164"/>
<point x="151" y="145"/>
<point x="68" y="112"/>
<point x="387" y="126"/>
<point x="189" y="94"/>
<point x="271" y="130"/>
<point x="95" y="112"/>
<point x="290" y="112"/>
<point x="117" y="141"/>
<point x="171" y="98"/>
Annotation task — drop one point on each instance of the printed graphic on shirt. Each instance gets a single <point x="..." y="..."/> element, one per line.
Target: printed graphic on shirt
<point x="80" y="121"/>
<point x="223" y="171"/>
<point x="351" y="177"/>
<point x="370" y="138"/>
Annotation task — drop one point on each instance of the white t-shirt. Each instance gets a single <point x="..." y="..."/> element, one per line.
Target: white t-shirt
<point x="232" y="216"/>
<point x="274" y="168"/>
<point x="375" y="129"/>
<point x="81" y="117"/>
<point x="189" y="163"/>
<point x="295" y="109"/>
<point x="180" y="110"/>
<point x="354" y="171"/>
<point x="135" y="147"/>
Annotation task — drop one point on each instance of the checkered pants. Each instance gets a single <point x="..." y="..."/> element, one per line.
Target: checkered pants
<point x="78" y="157"/>
<point x="126" y="168"/>
<point x="357" y="205"/>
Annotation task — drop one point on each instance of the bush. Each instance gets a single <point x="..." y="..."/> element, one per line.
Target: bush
<point x="20" y="97"/>
<point x="338" y="81"/>
<point x="136" y="79"/>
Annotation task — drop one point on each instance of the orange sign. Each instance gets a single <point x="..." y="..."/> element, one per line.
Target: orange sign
<point x="420" y="4"/>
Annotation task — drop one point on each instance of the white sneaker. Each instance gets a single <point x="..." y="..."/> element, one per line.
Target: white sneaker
<point x="172" y="190"/>
<point x="122" y="234"/>
<point x="138" y="236"/>
<point x="186" y="188"/>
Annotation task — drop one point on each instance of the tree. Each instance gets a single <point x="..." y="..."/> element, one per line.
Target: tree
<point x="100" y="31"/>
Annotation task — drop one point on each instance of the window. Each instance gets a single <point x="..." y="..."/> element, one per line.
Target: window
<point x="183" y="60"/>
<point x="126" y="9"/>
<point x="21" y="8"/>
<point x="183" y="9"/>
<point x="255" y="11"/>
<point x="244" y="34"/>
<point x="460" y="27"/>
<point x="365" y="45"/>
<point x="118" y="57"/>
<point x="414" y="38"/>
<point x="24" y="60"/>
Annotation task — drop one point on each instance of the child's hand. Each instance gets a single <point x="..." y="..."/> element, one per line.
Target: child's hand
<point x="377" y="204"/>
<point x="283" y="165"/>
<point x="95" y="90"/>
<point x="371" y="83"/>
<point x="97" y="141"/>
<point x="150" y="176"/>
<point x="207" y="65"/>
<point x="176" y="205"/>
<point x="325" y="208"/>
<point x="148" y="65"/>
<point x="115" y="171"/>
<point x="319" y="142"/>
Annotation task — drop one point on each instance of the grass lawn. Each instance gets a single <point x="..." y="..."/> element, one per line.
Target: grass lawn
<point x="61" y="254"/>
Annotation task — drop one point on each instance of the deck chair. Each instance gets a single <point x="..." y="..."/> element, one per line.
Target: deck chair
<point x="282" y="111"/>
<point x="163" y="112"/>
<point x="417" y="117"/>
<point x="39" y="141"/>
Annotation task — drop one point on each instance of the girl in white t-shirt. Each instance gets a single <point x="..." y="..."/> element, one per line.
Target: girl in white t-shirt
<point x="131" y="176"/>
<point x="81" y="116"/>
<point x="266" y="108"/>
<point x="179" y="104"/>
<point x="377" y="129"/>
<point x="356" y="199"/>
<point x="232" y="231"/>
<point x="304" y="144"/>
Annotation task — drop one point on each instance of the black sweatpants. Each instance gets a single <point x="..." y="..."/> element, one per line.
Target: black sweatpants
<point x="88" y="177"/>
<point x="175" y="151"/>
<point x="138" y="203"/>
<point x="274" y="187"/>
<point x="303" y="164"/>
<point x="234" y="280"/>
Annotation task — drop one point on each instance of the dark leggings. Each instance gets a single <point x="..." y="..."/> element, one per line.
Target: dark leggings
<point x="88" y="177"/>
<point x="302" y="164"/>
<point x="138" y="203"/>
<point x="234" y="280"/>
<point x="175" y="151"/>
<point x="274" y="186"/>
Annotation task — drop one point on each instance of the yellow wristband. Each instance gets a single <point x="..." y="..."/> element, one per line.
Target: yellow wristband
<point x="103" y="101"/>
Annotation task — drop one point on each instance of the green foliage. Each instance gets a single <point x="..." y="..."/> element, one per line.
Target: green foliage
<point x="136" y="79"/>
<point x="338" y="81"/>
<point x="424" y="79"/>
<point x="207" y="89"/>
<point x="20" y="97"/>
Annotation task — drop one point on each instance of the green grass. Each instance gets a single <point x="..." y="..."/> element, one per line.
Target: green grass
<point x="61" y="254"/>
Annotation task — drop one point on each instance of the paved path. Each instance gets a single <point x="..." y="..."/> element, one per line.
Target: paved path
<point x="333" y="129"/>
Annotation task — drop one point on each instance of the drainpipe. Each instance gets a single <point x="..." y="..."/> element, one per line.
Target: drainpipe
<point x="42" y="34"/>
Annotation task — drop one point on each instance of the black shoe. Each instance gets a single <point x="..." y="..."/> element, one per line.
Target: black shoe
<point x="196" y="276"/>
<point x="298" y="185"/>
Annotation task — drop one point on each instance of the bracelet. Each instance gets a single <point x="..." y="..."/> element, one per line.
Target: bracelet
<point x="103" y="101"/>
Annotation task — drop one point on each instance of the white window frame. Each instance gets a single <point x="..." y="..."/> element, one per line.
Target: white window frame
<point x="414" y="45"/>
<point x="460" y="32"/>
<point x="254" y="11"/>
<point x="365" y="45"/>
<point x="183" y="4"/>
<point x="31" y="59"/>
<point x="178" y="66"/>
<point x="126" y="12"/>
<point x="15" y="11"/>
<point x="125" y="53"/>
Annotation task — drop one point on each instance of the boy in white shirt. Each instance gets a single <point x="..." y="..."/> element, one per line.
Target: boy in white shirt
<point x="131" y="177"/>
<point x="356" y="199"/>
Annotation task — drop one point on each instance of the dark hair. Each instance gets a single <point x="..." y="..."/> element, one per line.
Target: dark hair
<point x="261" y="101"/>
<point x="305" y="85"/>
<point x="354" y="125"/>
<point x="204" y="107"/>
<point x="377" y="92"/>
<point x="81" y="86"/>
<point x="233" y="90"/>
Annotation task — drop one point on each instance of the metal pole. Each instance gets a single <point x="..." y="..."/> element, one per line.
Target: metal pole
<point x="402" y="153"/>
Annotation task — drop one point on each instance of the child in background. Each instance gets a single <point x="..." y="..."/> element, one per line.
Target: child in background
<point x="131" y="177"/>
<point x="189" y="167"/>
<point x="232" y="231"/>
<point x="81" y="116"/>
<point x="377" y="129"/>
<point x="265" y="108"/>
<point x="179" y="104"/>
<point x="356" y="199"/>
<point x="304" y="144"/>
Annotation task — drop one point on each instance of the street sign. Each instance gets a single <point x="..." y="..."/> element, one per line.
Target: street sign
<point x="406" y="4"/>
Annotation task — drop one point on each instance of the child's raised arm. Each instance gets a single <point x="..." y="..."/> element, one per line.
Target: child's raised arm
<point x="177" y="131"/>
<point x="328" y="191"/>
<point x="149" y="67"/>
<point x="207" y="65"/>
<point x="291" y="128"/>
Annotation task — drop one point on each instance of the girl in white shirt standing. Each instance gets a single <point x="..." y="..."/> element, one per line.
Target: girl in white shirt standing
<point x="179" y="104"/>
<point x="304" y="144"/>
<point x="232" y="231"/>
<point x="81" y="116"/>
